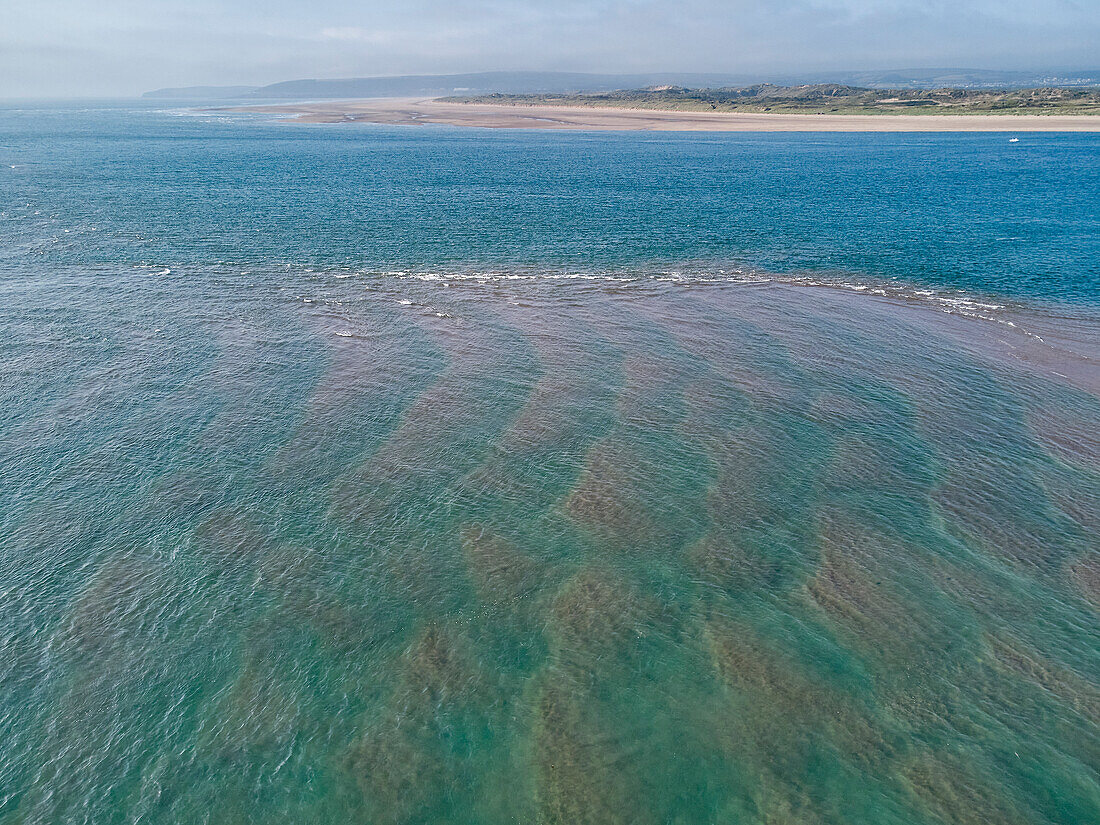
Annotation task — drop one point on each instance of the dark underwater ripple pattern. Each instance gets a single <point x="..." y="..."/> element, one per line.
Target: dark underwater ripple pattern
<point x="293" y="547"/>
<point x="484" y="554"/>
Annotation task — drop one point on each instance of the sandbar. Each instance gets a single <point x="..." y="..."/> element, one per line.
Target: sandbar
<point x="421" y="112"/>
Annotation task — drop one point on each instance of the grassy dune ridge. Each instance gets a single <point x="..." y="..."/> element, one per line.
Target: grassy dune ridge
<point x="822" y="99"/>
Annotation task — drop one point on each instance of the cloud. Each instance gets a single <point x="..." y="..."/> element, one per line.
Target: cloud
<point x="70" y="47"/>
<point x="345" y="33"/>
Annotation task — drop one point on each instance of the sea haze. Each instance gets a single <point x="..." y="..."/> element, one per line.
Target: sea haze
<point x="568" y="82"/>
<point x="404" y="475"/>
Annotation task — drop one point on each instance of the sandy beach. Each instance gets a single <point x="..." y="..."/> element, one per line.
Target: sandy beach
<point x="419" y="112"/>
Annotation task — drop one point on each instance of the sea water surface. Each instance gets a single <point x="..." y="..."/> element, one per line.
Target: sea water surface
<point x="430" y="475"/>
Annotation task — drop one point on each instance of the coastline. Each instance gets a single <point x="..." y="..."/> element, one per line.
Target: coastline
<point x="425" y="111"/>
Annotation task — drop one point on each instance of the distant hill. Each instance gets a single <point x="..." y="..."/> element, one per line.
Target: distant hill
<point x="201" y="93"/>
<point x="482" y="83"/>
<point x="478" y="83"/>
<point x="954" y="79"/>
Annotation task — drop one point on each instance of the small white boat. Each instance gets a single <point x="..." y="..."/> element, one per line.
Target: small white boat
<point x="1013" y="140"/>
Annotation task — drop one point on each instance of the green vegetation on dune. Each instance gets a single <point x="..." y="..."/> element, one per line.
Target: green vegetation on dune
<point x="822" y="99"/>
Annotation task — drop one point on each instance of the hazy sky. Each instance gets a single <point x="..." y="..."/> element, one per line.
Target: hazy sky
<point x="122" y="47"/>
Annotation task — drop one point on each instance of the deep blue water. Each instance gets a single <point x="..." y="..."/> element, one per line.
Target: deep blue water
<point x="394" y="475"/>
<point x="114" y="186"/>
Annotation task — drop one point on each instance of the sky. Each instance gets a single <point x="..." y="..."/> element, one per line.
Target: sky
<point x="72" y="48"/>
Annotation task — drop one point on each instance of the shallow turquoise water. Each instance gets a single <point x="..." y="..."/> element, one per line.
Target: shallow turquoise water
<point x="394" y="475"/>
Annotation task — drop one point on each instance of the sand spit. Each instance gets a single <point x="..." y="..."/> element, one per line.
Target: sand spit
<point x="419" y="112"/>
